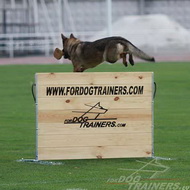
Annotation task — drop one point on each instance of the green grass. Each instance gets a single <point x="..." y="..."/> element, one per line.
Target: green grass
<point x="17" y="133"/>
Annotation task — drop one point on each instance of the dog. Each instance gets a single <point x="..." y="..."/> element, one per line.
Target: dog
<point x="85" y="55"/>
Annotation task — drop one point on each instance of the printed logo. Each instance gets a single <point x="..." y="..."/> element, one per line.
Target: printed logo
<point x="92" y="118"/>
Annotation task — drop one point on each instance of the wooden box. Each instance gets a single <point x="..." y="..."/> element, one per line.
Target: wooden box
<point x="94" y="115"/>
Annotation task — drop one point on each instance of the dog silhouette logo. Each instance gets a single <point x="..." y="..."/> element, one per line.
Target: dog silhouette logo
<point x="93" y="112"/>
<point x="93" y="118"/>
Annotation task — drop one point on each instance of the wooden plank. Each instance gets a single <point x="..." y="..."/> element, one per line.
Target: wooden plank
<point x="61" y="129"/>
<point x="85" y="103"/>
<point x="57" y="116"/>
<point x="102" y="124"/>
<point x="95" y="152"/>
<point x="129" y="90"/>
<point x="60" y="141"/>
<point x="93" y="78"/>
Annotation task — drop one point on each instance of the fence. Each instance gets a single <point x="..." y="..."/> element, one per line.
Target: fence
<point x="84" y="18"/>
<point x="28" y="43"/>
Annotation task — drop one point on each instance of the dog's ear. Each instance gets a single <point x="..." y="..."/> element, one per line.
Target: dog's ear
<point x="63" y="37"/>
<point x="72" y="36"/>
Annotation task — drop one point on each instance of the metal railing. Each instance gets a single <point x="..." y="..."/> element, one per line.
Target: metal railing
<point x="12" y="45"/>
<point x="42" y="43"/>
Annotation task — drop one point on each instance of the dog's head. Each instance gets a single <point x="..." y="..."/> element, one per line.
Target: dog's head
<point x="68" y="44"/>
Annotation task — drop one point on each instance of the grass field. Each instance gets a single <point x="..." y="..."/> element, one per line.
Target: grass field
<point x="17" y="136"/>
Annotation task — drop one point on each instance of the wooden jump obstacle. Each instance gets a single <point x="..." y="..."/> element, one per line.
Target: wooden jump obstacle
<point x="94" y="115"/>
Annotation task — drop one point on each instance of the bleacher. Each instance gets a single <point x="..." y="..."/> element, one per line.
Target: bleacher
<point x="34" y="26"/>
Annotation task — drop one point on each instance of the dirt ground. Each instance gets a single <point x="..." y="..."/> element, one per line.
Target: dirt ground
<point x="52" y="60"/>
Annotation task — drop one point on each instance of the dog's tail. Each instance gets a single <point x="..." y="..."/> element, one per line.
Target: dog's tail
<point x="139" y="53"/>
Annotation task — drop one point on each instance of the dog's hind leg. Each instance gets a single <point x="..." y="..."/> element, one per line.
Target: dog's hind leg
<point x="131" y="59"/>
<point x="124" y="57"/>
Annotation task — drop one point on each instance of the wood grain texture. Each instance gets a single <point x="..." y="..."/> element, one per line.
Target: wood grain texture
<point x="112" y="126"/>
<point x="117" y="78"/>
<point x="106" y="102"/>
<point x="57" y="116"/>
<point x="61" y="129"/>
<point x="95" y="152"/>
<point x="60" y="141"/>
<point x="42" y="92"/>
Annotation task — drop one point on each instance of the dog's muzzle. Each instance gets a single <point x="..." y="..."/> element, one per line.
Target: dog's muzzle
<point x="66" y="55"/>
